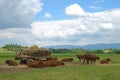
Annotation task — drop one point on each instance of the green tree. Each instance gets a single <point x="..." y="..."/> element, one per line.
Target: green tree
<point x="13" y="47"/>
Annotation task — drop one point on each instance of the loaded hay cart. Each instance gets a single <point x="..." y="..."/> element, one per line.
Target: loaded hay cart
<point x="32" y="53"/>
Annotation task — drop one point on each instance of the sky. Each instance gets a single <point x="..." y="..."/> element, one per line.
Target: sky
<point x="59" y="22"/>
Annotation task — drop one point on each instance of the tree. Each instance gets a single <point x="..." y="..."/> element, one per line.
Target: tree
<point x="13" y="47"/>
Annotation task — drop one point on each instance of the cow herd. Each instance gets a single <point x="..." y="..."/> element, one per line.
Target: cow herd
<point x="91" y="59"/>
<point x="49" y="62"/>
<point x="53" y="62"/>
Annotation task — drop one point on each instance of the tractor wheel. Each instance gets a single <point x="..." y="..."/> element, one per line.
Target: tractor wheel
<point x="29" y="60"/>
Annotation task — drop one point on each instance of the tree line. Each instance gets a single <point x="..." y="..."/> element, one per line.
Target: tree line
<point x="13" y="47"/>
<point x="83" y="51"/>
<point x="16" y="47"/>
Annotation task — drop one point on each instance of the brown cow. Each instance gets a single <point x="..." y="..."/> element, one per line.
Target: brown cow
<point x="80" y="57"/>
<point x="35" y="64"/>
<point x="52" y="63"/>
<point x="11" y="62"/>
<point x="58" y="63"/>
<point x="94" y="58"/>
<point x="105" y="61"/>
<point x="48" y="63"/>
<point x="52" y="58"/>
<point x="88" y="58"/>
<point x="67" y="60"/>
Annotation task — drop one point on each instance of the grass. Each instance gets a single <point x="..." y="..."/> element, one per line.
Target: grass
<point x="77" y="72"/>
<point x="4" y="54"/>
<point x="87" y="72"/>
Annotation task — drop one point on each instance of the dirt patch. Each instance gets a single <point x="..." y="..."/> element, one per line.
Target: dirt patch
<point x="78" y="64"/>
<point x="109" y="64"/>
<point x="6" y="68"/>
<point x="72" y="63"/>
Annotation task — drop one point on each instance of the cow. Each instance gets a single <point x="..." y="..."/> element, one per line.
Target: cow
<point x="11" y="63"/>
<point x="88" y="58"/>
<point x="93" y="58"/>
<point x="105" y="61"/>
<point x="67" y="60"/>
<point x="55" y="58"/>
<point x="58" y="63"/>
<point x="80" y="57"/>
<point x="35" y="64"/>
<point x="52" y="63"/>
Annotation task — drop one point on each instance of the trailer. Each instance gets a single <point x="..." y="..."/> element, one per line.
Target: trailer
<point x="27" y="55"/>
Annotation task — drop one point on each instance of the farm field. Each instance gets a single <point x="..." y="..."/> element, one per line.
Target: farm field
<point x="69" y="72"/>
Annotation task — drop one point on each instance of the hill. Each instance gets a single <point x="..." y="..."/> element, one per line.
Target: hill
<point x="91" y="47"/>
<point x="64" y="46"/>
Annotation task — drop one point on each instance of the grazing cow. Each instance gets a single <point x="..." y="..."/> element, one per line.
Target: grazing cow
<point x="35" y="64"/>
<point x="11" y="62"/>
<point x="93" y="58"/>
<point x="80" y="57"/>
<point x="105" y="61"/>
<point x="67" y="60"/>
<point x="88" y="58"/>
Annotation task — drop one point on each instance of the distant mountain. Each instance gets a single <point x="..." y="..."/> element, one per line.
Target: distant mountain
<point x="91" y="47"/>
<point x="102" y="46"/>
<point x="64" y="46"/>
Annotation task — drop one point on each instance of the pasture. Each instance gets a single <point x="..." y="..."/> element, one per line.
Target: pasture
<point x="69" y="72"/>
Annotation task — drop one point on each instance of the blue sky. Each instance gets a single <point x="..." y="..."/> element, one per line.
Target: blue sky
<point x="63" y="22"/>
<point x="56" y="8"/>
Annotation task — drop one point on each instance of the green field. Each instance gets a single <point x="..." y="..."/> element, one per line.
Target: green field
<point x="74" y="72"/>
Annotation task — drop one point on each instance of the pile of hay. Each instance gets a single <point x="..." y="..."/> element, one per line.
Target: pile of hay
<point x="36" y="47"/>
<point x="35" y="51"/>
<point x="33" y="47"/>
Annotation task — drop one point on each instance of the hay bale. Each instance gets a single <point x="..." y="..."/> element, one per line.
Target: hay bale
<point x="36" y="47"/>
<point x="35" y="51"/>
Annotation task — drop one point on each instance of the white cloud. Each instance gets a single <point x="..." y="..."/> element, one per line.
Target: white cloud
<point x="96" y="7"/>
<point x="57" y="29"/>
<point x="47" y="15"/>
<point x="74" y="10"/>
<point x="91" y="28"/>
<point x="18" y="13"/>
<point x="107" y="25"/>
<point x="99" y="27"/>
<point x="17" y="35"/>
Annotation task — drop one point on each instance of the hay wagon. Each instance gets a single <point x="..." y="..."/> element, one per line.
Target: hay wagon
<point x="26" y="55"/>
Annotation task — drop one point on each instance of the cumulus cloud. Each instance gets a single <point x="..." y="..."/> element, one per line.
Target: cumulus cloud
<point x="17" y="35"/>
<point x="47" y="15"/>
<point x="18" y="13"/>
<point x="74" y="10"/>
<point x="107" y="25"/>
<point x="87" y="28"/>
<point x="99" y="27"/>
